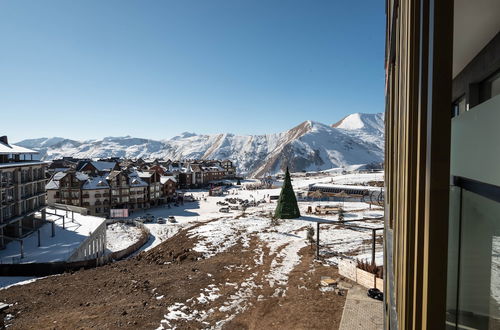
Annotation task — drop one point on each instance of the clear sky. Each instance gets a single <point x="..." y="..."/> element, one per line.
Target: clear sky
<point x="153" y="69"/>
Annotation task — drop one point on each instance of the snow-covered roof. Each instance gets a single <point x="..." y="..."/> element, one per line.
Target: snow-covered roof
<point x="137" y="182"/>
<point x="52" y="184"/>
<point x="57" y="248"/>
<point x="144" y="174"/>
<point x="19" y="164"/>
<point x="103" y="166"/>
<point x="54" y="181"/>
<point x="213" y="168"/>
<point x="346" y="187"/>
<point x="7" y="149"/>
<point x="59" y="175"/>
<point x="164" y="179"/>
<point x="81" y="176"/>
<point x="98" y="182"/>
<point x="113" y="174"/>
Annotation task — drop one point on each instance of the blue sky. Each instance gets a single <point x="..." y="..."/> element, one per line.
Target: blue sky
<point x="154" y="69"/>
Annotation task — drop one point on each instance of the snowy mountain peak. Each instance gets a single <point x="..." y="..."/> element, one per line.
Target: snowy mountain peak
<point x="358" y="121"/>
<point x="366" y="126"/>
<point x="310" y="146"/>
<point x="184" y="135"/>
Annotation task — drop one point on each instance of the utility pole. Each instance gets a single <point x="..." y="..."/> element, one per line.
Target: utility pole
<point x="373" y="246"/>
<point x="317" y="240"/>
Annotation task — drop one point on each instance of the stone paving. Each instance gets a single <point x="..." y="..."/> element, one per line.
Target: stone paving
<point x="361" y="312"/>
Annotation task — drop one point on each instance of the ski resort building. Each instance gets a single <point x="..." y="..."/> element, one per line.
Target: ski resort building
<point x="345" y="193"/>
<point x="442" y="228"/>
<point x="22" y="191"/>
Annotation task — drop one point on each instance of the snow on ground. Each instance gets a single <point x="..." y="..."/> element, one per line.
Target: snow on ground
<point x="347" y="179"/>
<point x="284" y="241"/>
<point x="120" y="236"/>
<point x="8" y="281"/>
<point x="218" y="232"/>
<point x="57" y="248"/>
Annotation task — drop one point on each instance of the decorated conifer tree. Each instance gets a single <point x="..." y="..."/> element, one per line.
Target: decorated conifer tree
<point x="287" y="207"/>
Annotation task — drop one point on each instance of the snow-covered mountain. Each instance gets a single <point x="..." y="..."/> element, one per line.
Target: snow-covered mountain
<point x="311" y="146"/>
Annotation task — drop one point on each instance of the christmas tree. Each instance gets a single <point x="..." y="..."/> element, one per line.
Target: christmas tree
<point x="287" y="207"/>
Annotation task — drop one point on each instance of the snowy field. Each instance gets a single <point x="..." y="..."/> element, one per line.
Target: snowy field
<point x="120" y="236"/>
<point x="220" y="231"/>
<point x="205" y="209"/>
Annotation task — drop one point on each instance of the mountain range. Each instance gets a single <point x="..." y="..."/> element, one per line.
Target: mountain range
<point x="311" y="146"/>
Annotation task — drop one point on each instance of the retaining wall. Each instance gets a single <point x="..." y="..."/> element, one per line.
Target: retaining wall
<point x="92" y="247"/>
<point x="51" y="268"/>
<point x="348" y="268"/>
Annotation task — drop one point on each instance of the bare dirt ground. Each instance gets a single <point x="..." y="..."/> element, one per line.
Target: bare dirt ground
<point x="174" y="286"/>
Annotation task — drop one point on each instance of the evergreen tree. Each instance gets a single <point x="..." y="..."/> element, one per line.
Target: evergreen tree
<point x="287" y="207"/>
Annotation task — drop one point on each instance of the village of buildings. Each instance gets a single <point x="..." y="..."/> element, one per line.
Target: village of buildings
<point x="106" y="184"/>
<point x="72" y="213"/>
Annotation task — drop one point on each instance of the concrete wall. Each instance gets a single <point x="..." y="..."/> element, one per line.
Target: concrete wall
<point x="348" y="268"/>
<point x="93" y="247"/>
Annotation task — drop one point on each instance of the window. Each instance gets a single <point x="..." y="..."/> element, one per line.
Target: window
<point x="495" y="85"/>
<point x="490" y="87"/>
<point x="473" y="293"/>
<point x="459" y="106"/>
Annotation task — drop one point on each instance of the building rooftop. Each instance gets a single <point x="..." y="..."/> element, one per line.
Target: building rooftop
<point x="11" y="149"/>
<point x="21" y="163"/>
<point x="57" y="248"/>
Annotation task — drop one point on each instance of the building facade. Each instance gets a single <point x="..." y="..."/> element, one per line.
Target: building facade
<point x="22" y="191"/>
<point x="442" y="228"/>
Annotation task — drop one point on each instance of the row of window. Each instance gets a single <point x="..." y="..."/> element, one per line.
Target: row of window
<point x="485" y="90"/>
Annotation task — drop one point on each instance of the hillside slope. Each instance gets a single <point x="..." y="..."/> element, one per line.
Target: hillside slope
<point x="311" y="146"/>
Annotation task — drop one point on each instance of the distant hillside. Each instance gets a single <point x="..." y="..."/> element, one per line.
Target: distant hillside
<point x="312" y="146"/>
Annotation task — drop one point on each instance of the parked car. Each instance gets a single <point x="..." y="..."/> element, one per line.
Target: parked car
<point x="172" y="219"/>
<point x="140" y="219"/>
<point x="149" y="217"/>
<point x="224" y="209"/>
<point x="375" y="294"/>
<point x="161" y="220"/>
<point x="234" y="207"/>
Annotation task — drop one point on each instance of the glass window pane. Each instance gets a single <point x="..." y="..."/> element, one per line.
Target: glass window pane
<point x="453" y="256"/>
<point x="479" y="280"/>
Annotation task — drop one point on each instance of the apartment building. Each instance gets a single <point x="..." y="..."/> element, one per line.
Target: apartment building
<point x="153" y="191"/>
<point x="168" y="184"/>
<point x="79" y="189"/>
<point x="22" y="191"/>
<point x="229" y="168"/>
<point x="98" y="194"/>
<point x="442" y="228"/>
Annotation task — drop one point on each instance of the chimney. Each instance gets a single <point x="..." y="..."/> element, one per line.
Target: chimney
<point x="4" y="139"/>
